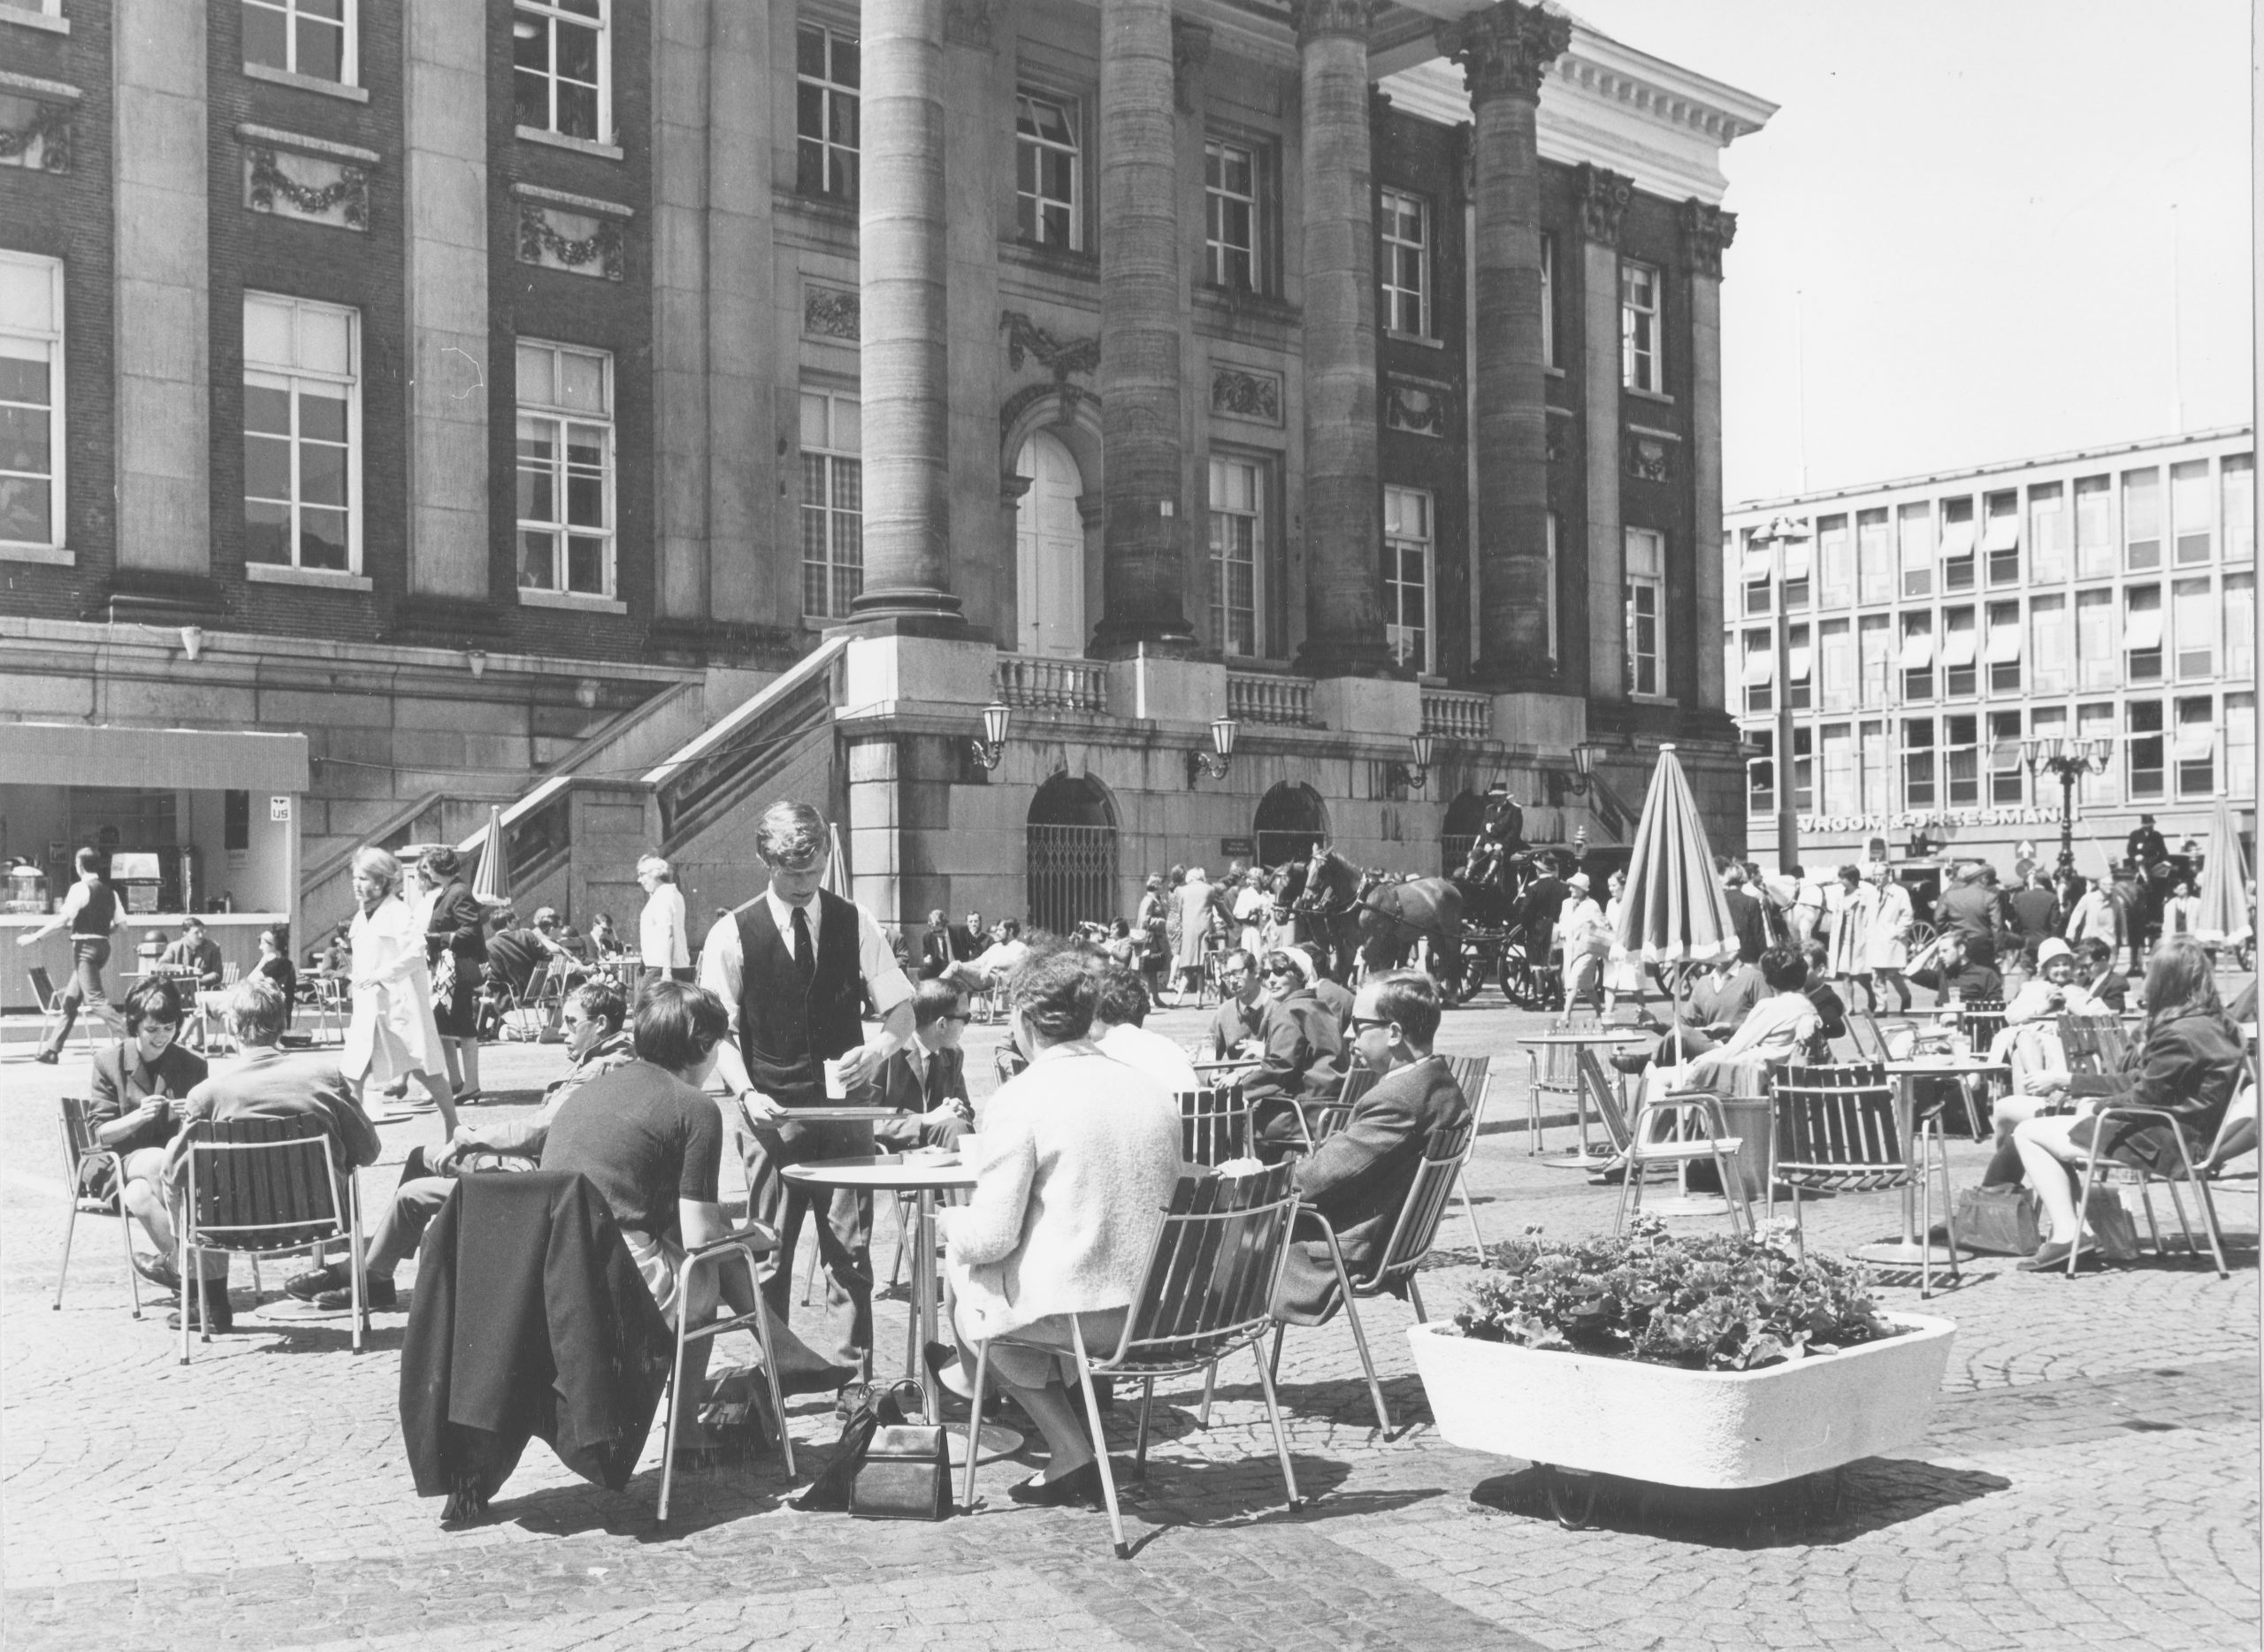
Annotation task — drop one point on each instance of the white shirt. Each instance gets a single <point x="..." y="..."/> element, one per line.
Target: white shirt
<point x="660" y="940"/>
<point x="1151" y="1054"/>
<point x="1000" y="957"/>
<point x="721" y="969"/>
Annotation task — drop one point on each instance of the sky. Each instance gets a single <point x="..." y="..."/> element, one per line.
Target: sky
<point x="1955" y="239"/>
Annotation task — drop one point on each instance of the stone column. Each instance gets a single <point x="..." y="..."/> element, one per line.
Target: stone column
<point x="444" y="98"/>
<point x="1503" y="51"/>
<point x="1142" y="300"/>
<point x="1343" y="540"/>
<point x="1706" y="231"/>
<point x="680" y="127"/>
<point x="903" y="355"/>
<point x="741" y="327"/>
<point x="163" y="336"/>
<point x="979" y="84"/>
<point x="1605" y="198"/>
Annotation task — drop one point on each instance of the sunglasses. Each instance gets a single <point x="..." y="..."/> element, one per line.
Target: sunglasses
<point x="1361" y="1023"/>
<point x="961" y="1019"/>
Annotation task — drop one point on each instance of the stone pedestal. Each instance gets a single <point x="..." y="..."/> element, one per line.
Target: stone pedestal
<point x="1545" y="722"/>
<point x="887" y="673"/>
<point x="1367" y="705"/>
<point x="1152" y="688"/>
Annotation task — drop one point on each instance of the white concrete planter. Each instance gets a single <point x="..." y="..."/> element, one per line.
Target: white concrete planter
<point x="1719" y="1429"/>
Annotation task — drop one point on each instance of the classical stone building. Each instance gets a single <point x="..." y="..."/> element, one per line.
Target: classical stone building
<point x="621" y="410"/>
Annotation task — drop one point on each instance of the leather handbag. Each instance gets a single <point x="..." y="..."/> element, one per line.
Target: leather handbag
<point x="2000" y="1220"/>
<point x="906" y="1474"/>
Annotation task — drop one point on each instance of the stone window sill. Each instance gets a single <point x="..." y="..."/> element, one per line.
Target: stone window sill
<point x="1552" y="370"/>
<point x="24" y="19"/>
<point x="576" y="601"/>
<point x="579" y="146"/>
<point x="1416" y="339"/>
<point x="51" y="555"/>
<point x="1659" y="396"/>
<point x="1078" y="265"/>
<point x="303" y="82"/>
<point x="321" y="578"/>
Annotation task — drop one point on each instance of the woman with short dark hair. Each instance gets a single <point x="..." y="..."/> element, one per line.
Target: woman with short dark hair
<point x="455" y="947"/>
<point x="138" y="1082"/>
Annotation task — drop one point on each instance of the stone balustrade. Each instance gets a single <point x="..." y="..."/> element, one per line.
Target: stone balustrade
<point x="1456" y="716"/>
<point x="1040" y="683"/>
<point x="1258" y="697"/>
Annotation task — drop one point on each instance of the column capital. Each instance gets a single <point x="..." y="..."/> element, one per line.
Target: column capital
<point x="1506" y="48"/>
<point x="1316" y="20"/>
<point x="1605" y="198"/>
<point x="1706" y="231"/>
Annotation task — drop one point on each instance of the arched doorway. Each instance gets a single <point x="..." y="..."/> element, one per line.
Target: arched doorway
<point x="1049" y="549"/>
<point x="1291" y="821"/>
<point x="1070" y="855"/>
<point x="1465" y="818"/>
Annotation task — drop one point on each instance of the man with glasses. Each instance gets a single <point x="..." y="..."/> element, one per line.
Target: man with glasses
<point x="1234" y="1024"/>
<point x="595" y="1042"/>
<point x="1360" y="1177"/>
<point x="926" y="1081"/>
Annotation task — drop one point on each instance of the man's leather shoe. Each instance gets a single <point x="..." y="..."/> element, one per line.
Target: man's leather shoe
<point x="308" y="1286"/>
<point x="377" y="1292"/>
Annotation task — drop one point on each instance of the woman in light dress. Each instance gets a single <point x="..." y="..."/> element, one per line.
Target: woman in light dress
<point x="392" y="1034"/>
<point x="1194" y="898"/>
<point x="1622" y="972"/>
<point x="1887" y="940"/>
<point x="1253" y="908"/>
<point x="1848" y="907"/>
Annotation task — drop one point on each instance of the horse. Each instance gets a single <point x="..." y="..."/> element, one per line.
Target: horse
<point x="1375" y="921"/>
<point x="1327" y="897"/>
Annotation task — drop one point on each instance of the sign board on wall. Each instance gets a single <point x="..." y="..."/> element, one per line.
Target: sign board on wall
<point x="1243" y="846"/>
<point x="278" y="809"/>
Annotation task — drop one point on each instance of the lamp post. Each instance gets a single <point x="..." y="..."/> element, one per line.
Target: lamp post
<point x="2069" y="760"/>
<point x="1780" y="532"/>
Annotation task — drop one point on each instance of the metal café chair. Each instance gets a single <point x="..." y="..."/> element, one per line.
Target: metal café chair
<point x="1473" y="1076"/>
<point x="80" y="1151"/>
<point x="1416" y="1229"/>
<point x="2094" y="1044"/>
<point x="1207" y="1292"/>
<point x="1677" y="1129"/>
<point x="749" y="1243"/>
<point x="1319" y="1121"/>
<point x="1554" y="1070"/>
<point x="50" y="1007"/>
<point x="2236" y="1135"/>
<point x="263" y="1187"/>
<point x="1837" y="1132"/>
<point x="1213" y="1125"/>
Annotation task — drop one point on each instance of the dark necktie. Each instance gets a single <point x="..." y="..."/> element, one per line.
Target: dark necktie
<point x="805" y="953"/>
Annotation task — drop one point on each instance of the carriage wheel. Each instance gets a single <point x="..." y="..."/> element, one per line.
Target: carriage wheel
<point x="1572" y="1496"/>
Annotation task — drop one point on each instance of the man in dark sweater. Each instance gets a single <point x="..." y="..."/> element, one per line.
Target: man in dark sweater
<point x="1956" y="971"/>
<point x="1968" y="908"/>
<point x="1360" y="1177"/>
<point x="1745" y="916"/>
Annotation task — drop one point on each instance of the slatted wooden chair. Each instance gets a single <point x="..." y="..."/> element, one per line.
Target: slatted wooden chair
<point x="1213" y="1124"/>
<point x="747" y="1245"/>
<point x="264" y="1187"/>
<point x="1319" y="1121"/>
<point x="1473" y="1076"/>
<point x="2094" y="1044"/>
<point x="50" y="1008"/>
<point x="1445" y="1152"/>
<point x="1837" y="1132"/>
<point x="1207" y="1292"/>
<point x="81" y="1150"/>
<point x="2237" y="1135"/>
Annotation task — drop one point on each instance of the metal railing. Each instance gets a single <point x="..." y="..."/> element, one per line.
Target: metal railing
<point x="1044" y="684"/>
<point x="1072" y="876"/>
<point x="1258" y="697"/>
<point x="1457" y="716"/>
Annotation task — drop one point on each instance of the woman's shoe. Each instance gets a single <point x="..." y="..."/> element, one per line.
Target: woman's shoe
<point x="2048" y="1256"/>
<point x="1080" y="1487"/>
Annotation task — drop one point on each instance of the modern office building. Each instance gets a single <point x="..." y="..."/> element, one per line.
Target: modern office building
<point x="1931" y="624"/>
<point x="623" y="411"/>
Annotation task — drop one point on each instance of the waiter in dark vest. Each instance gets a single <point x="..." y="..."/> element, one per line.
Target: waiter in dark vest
<point x="90" y="913"/>
<point x="794" y="966"/>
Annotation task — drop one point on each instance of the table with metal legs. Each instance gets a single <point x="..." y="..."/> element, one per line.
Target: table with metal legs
<point x="1913" y="1246"/>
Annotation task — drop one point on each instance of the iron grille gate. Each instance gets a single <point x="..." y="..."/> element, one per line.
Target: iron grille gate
<point x="1071" y="875"/>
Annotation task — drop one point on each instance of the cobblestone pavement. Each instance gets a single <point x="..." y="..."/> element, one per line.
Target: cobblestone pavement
<point x="2090" y="1478"/>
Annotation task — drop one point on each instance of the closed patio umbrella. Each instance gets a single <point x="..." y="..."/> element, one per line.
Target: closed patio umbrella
<point x="836" y="864"/>
<point x="1674" y="910"/>
<point x="491" y="885"/>
<point x="2224" y="920"/>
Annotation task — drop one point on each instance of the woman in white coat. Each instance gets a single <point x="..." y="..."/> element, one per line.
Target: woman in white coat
<point x="392" y="1034"/>
<point x="1849" y="908"/>
<point x="1887" y="943"/>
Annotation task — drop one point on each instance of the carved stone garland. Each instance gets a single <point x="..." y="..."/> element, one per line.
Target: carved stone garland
<point x="349" y="194"/>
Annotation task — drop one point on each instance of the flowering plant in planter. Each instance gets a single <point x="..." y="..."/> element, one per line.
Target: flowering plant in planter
<point x="1713" y="1303"/>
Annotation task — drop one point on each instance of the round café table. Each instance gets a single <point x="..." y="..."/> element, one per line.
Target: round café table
<point x="1913" y="1247"/>
<point x="1579" y="1039"/>
<point x="923" y="1176"/>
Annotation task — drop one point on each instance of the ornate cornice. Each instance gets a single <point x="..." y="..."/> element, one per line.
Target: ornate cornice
<point x="1706" y="231"/>
<point x="1317" y="20"/>
<point x="1506" y="48"/>
<point x="1605" y="198"/>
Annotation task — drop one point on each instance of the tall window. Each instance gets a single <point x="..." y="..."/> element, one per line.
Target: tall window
<point x="2141" y="520"/>
<point x="1875" y="658"/>
<point x="1957" y="544"/>
<point x="309" y="37"/>
<point x="1874" y="556"/>
<point x="1549" y="301"/>
<point x="1918" y="656"/>
<point x="566" y="498"/>
<point x="1918" y="762"/>
<point x="1407" y="547"/>
<point x="2000" y="538"/>
<point x="2197" y="746"/>
<point x="2097" y="664"/>
<point x="2097" y="722"/>
<point x="2237" y="481"/>
<point x="2240" y="744"/>
<point x="2143" y="744"/>
<point x="1835" y="562"/>
<point x="2142" y="634"/>
<point x="1760" y="574"/>
<point x="1759" y="672"/>
<point x="1646" y="608"/>
<point x="2094" y="526"/>
<point x="1761" y="772"/>
<point x="1959" y="648"/>
<point x="1840" y="796"/>
<point x="1799" y="670"/>
<point x="1639" y="327"/>
<point x="2188" y="511"/>
<point x="302" y="434"/>
<point x="1237" y="541"/>
<point x="2052" y="644"/>
<point x="1961" y="759"/>
<point x="1914" y="529"/>
<point x="2047" y="532"/>
<point x="1804" y="768"/>
<point x="2006" y="776"/>
<point x="2004" y="647"/>
<point x="1799" y="562"/>
<point x="2240" y="626"/>
<point x="1877" y="766"/>
<point x="31" y="401"/>
<point x="1048" y="182"/>
<point x="2194" y="613"/>
<point x="825" y="112"/>
<point x="1836" y="657"/>
<point x="1230" y="180"/>
<point x="561" y="56"/>
<point x="1406" y="261"/>
<point x="833" y="503"/>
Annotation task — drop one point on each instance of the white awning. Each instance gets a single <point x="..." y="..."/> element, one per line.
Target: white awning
<point x="2004" y="644"/>
<point x="1799" y="663"/>
<point x="2142" y="630"/>
<point x="187" y="760"/>
<point x="1797" y="558"/>
<point x="1760" y="666"/>
<point x="2197" y="742"/>
<point x="1957" y="541"/>
<point x="1917" y="650"/>
<point x="1758" y="563"/>
<point x="1957" y="647"/>
<point x="2003" y="532"/>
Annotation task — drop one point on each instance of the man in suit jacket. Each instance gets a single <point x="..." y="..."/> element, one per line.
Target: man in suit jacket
<point x="1236" y="1019"/>
<point x="1360" y="1177"/>
<point x="1969" y="907"/>
<point x="2102" y="977"/>
<point x="196" y="951"/>
<point x="934" y="953"/>
<point x="926" y="1081"/>
<point x="969" y="939"/>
